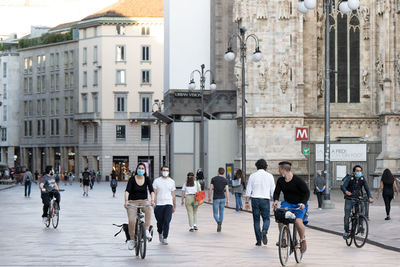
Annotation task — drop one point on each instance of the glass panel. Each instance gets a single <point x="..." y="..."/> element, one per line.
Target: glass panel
<point x="342" y="58"/>
<point x="354" y="62"/>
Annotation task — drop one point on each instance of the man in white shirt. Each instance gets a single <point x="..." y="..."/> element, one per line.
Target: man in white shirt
<point x="260" y="188"/>
<point x="164" y="189"/>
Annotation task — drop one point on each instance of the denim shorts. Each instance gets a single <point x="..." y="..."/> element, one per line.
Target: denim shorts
<point x="300" y="214"/>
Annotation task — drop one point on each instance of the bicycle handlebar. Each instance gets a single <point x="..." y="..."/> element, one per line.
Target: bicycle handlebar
<point x="140" y="206"/>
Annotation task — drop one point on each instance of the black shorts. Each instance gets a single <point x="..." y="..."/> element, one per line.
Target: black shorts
<point x="86" y="182"/>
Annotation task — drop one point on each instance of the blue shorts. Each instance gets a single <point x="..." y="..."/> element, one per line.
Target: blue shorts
<point x="300" y="214"/>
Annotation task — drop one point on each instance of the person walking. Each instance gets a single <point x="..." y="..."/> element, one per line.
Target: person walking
<point x="189" y="190"/>
<point x="388" y="183"/>
<point x="220" y="190"/>
<point x="260" y="189"/>
<point x="36" y="176"/>
<point x="98" y="176"/>
<point x="238" y="185"/>
<point x="114" y="182"/>
<point x="85" y="182"/>
<point x="136" y="195"/>
<point x="27" y="180"/>
<point x="319" y="187"/>
<point x="164" y="189"/>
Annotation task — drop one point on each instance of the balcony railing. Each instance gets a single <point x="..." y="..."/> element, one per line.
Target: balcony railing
<point x="141" y="116"/>
<point x="87" y="116"/>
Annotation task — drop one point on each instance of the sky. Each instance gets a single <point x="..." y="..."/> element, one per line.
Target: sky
<point x="17" y="16"/>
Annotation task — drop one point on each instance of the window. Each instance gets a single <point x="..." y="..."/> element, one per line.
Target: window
<point x="66" y="64"/>
<point x="145" y="76"/>
<point x="120" y="103"/>
<point x="95" y="31"/>
<point x="30" y="85"/>
<point x="95" y="54"/>
<point x="345" y="59"/>
<point x="4" y="69"/>
<point x="120" y="132"/>
<point x="71" y="105"/>
<point x="44" y="107"/>
<point x="43" y="65"/>
<point x="38" y="128"/>
<point x="57" y="82"/>
<point x="145" y="132"/>
<point x="66" y="74"/>
<point x="57" y="106"/>
<point x="120" y="29"/>
<point x="38" y="83"/>
<point x="121" y="53"/>
<point x="84" y="103"/>
<point x="85" y="133"/>
<point x="66" y="128"/>
<point x="51" y="127"/>
<point x="25" y="85"/>
<point x="84" y="33"/>
<point x="3" y="134"/>
<point x="84" y="79"/>
<point x="39" y="63"/>
<point x="30" y="64"/>
<point x="5" y="113"/>
<point x="145" y="53"/>
<point x="39" y="107"/>
<point x="84" y="55"/>
<point x="30" y="108"/>
<point x="27" y="128"/>
<point x="71" y="58"/>
<point x="145" y="100"/>
<point x="121" y="77"/>
<point x="71" y="80"/>
<point x="52" y="82"/>
<point x="26" y="64"/>
<point x="145" y="30"/>
<point x="5" y="91"/>
<point x="66" y="105"/>
<point x="57" y="122"/>
<point x="43" y="84"/>
<point x="71" y="126"/>
<point x="52" y="106"/>
<point x="95" y="77"/>
<point x="95" y="135"/>
<point x="43" y="128"/>
<point x="95" y="102"/>
<point x="25" y="108"/>
<point x="57" y="60"/>
<point x="52" y="61"/>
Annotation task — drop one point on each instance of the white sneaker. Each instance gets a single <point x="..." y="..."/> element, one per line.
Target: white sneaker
<point x="164" y="242"/>
<point x="160" y="237"/>
<point x="148" y="235"/>
<point x="44" y="220"/>
<point x="131" y="244"/>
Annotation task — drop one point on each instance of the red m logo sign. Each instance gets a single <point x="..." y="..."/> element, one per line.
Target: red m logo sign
<point x="302" y="134"/>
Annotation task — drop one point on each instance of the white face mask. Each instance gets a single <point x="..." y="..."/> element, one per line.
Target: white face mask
<point x="165" y="173"/>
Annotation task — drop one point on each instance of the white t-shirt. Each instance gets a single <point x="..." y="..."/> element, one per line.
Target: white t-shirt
<point x="164" y="187"/>
<point x="191" y="190"/>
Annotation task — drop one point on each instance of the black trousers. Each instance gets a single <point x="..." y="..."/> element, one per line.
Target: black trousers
<point x="387" y="199"/>
<point x="319" y="197"/>
<point x="46" y="198"/>
<point x="163" y="216"/>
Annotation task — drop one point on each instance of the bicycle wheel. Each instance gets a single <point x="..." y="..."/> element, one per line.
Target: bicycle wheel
<point x="143" y="242"/>
<point x="284" y="244"/>
<point x="296" y="242"/>
<point x="49" y="214"/>
<point x="137" y="239"/>
<point x="361" y="231"/>
<point x="56" y="214"/>
<point x="349" y="240"/>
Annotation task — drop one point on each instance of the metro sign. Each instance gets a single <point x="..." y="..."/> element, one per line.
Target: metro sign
<point x="302" y="134"/>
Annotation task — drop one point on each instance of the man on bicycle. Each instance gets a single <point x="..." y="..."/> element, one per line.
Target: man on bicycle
<point x="49" y="189"/>
<point x="296" y="195"/>
<point x="352" y="188"/>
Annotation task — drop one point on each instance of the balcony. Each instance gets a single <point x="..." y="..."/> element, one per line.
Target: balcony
<point x="87" y="116"/>
<point x="141" y="116"/>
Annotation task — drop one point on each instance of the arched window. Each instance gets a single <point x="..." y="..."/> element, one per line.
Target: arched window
<point x="344" y="57"/>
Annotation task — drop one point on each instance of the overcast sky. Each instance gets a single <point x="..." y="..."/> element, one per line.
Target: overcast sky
<point x="17" y="16"/>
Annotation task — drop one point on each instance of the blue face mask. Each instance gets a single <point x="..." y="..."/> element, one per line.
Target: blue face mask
<point x="358" y="174"/>
<point x="140" y="172"/>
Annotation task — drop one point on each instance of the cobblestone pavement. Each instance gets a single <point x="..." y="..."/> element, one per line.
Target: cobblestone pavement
<point x="85" y="237"/>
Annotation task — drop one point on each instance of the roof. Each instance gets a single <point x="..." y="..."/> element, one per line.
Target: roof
<point x="131" y="9"/>
<point x="63" y="26"/>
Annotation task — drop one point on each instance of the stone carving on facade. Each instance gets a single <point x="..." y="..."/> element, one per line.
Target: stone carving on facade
<point x="240" y="10"/>
<point x="365" y="78"/>
<point x="262" y="76"/>
<point x="320" y="23"/>
<point x="262" y="9"/>
<point x="380" y="7"/>
<point x="397" y="67"/>
<point x="284" y="75"/>
<point x="320" y="78"/>
<point x="366" y="22"/>
<point x="398" y="6"/>
<point x="379" y="70"/>
<point x="283" y="10"/>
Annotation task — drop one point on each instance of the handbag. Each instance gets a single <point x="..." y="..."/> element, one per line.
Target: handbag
<point x="236" y="182"/>
<point x="199" y="197"/>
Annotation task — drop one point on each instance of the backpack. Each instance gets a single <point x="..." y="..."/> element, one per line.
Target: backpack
<point x="113" y="183"/>
<point x="124" y="227"/>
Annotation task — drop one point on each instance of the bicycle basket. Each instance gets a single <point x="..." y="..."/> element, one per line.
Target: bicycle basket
<point x="281" y="218"/>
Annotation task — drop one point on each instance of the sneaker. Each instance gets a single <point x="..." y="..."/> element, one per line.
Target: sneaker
<point x="319" y="209"/>
<point x="165" y="241"/>
<point x="44" y="220"/>
<point x="195" y="228"/>
<point x="303" y="246"/>
<point x="387" y="218"/>
<point x="346" y="235"/>
<point x="191" y="229"/>
<point x="148" y="235"/>
<point x="258" y="244"/>
<point x="219" y="225"/>
<point x="131" y="244"/>
<point x="160" y="237"/>
<point x="264" y="238"/>
<point x="84" y="193"/>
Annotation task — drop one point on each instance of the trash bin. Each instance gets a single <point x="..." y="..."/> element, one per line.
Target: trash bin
<point x="107" y="178"/>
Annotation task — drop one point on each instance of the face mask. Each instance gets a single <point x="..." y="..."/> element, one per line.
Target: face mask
<point x="165" y="173"/>
<point x="358" y="174"/>
<point x="140" y="172"/>
<point x="52" y="172"/>
<point x="283" y="175"/>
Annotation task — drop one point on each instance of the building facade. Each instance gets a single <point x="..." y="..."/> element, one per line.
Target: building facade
<point x="49" y="89"/>
<point x="121" y="77"/>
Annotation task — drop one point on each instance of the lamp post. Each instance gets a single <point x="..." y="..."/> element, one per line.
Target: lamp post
<point x="230" y="56"/>
<point x="159" y="104"/>
<point x="192" y="85"/>
<point x="345" y="7"/>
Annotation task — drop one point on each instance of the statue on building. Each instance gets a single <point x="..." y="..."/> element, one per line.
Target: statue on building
<point x="380" y="7"/>
<point x="366" y="23"/>
<point x="262" y="9"/>
<point x="320" y="23"/>
<point x="262" y="76"/>
<point x="320" y="78"/>
<point x="240" y="10"/>
<point x="379" y="69"/>
<point x="283" y="10"/>
<point x="365" y="77"/>
<point x="284" y="75"/>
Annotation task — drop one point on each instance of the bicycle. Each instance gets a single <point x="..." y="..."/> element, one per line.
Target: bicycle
<point x="358" y="225"/>
<point x="285" y="249"/>
<point x="53" y="214"/>
<point x="140" y="231"/>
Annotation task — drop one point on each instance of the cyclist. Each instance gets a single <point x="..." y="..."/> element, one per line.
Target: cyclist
<point x="49" y="189"/>
<point x="296" y="195"/>
<point x="352" y="187"/>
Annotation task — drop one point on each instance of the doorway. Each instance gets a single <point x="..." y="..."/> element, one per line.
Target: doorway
<point x="121" y="167"/>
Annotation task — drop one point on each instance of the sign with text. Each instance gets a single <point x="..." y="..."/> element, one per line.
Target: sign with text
<point x="343" y="152"/>
<point x="187" y="94"/>
<point x="302" y="134"/>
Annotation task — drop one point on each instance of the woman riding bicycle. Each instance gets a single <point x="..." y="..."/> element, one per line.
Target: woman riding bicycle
<point x="49" y="189"/>
<point x="136" y="195"/>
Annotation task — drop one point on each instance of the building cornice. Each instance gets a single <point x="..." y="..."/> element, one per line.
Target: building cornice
<point x="47" y="45"/>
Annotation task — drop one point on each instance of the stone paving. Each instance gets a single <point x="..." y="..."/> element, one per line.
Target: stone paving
<point x="85" y="237"/>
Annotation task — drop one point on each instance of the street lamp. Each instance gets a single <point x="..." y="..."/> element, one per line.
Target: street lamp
<point x="192" y="86"/>
<point x="344" y="7"/>
<point x="256" y="57"/>
<point x="159" y="105"/>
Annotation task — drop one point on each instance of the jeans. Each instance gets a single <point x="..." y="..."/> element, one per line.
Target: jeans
<point x="260" y="206"/>
<point x="163" y="216"/>
<point x="28" y="188"/>
<point x="238" y="197"/>
<point x="218" y="207"/>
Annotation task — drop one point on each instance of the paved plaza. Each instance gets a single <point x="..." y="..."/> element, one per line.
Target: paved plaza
<point x="85" y="236"/>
